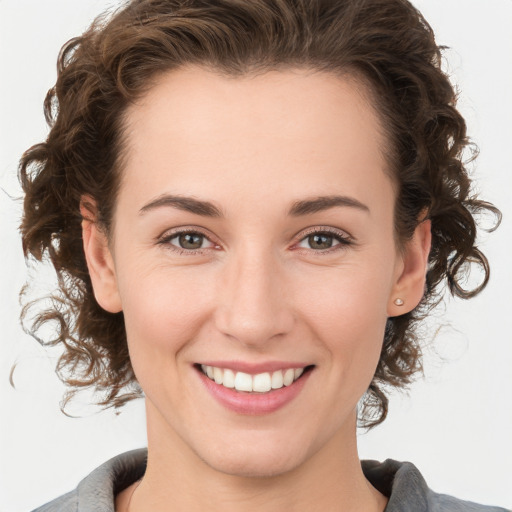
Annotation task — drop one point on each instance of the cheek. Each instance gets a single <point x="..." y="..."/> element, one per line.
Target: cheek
<point x="347" y="300"/>
<point x="348" y="316"/>
<point x="163" y="311"/>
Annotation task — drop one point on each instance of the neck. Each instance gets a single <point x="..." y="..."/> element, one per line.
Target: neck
<point x="177" y="479"/>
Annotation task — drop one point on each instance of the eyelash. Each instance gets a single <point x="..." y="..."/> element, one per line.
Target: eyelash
<point x="344" y="240"/>
<point x="166" y="241"/>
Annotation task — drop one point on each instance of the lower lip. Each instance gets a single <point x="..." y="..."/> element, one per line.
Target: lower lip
<point x="254" y="403"/>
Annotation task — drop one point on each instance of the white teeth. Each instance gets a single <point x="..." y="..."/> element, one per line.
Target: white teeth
<point x="243" y="382"/>
<point x="288" y="376"/>
<point x="218" y="375"/>
<point x="277" y="380"/>
<point x="260" y="383"/>
<point x="229" y="379"/>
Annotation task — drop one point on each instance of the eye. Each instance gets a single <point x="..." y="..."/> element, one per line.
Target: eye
<point x="187" y="241"/>
<point x="319" y="241"/>
<point x="323" y="240"/>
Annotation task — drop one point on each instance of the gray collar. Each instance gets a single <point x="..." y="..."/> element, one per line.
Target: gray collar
<point x="400" y="481"/>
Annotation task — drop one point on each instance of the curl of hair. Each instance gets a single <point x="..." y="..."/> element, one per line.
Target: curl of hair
<point x="386" y="44"/>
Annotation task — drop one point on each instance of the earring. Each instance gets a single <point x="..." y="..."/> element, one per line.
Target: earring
<point x="399" y="302"/>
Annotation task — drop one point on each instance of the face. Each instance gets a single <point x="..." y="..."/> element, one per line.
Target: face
<point x="253" y="241"/>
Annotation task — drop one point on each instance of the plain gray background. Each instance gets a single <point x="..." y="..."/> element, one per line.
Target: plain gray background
<point x="456" y="424"/>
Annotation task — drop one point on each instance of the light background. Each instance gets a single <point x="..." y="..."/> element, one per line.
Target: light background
<point x="456" y="426"/>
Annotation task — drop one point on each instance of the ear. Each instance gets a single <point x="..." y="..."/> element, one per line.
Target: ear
<point x="99" y="258"/>
<point x="409" y="286"/>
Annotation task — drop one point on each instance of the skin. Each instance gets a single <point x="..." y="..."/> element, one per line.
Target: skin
<point x="258" y="290"/>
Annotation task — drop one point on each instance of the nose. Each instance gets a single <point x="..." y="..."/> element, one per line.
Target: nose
<point x="253" y="305"/>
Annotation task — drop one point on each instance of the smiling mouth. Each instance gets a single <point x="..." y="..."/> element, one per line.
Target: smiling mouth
<point x="259" y="383"/>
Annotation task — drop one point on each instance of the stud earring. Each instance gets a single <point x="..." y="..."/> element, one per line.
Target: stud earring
<point x="399" y="302"/>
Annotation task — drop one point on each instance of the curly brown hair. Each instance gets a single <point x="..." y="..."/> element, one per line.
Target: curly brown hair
<point x="386" y="44"/>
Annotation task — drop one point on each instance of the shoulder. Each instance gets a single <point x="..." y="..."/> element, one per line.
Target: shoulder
<point x="66" y="503"/>
<point x="97" y="491"/>
<point x="408" y="491"/>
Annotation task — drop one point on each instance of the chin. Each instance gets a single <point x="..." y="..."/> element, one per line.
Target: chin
<point x="251" y="468"/>
<point x="254" y="463"/>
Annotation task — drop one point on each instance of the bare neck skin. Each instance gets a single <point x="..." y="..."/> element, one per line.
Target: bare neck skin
<point x="177" y="480"/>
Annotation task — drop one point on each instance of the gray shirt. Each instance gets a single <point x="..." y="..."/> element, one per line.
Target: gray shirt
<point x="400" y="481"/>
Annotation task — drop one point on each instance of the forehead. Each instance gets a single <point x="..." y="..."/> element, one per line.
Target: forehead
<point x="290" y="129"/>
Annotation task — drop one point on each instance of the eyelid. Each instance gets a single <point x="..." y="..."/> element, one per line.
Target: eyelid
<point x="325" y="229"/>
<point x="169" y="234"/>
<point x="344" y="238"/>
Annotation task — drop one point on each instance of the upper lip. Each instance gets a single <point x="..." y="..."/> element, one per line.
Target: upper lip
<point x="254" y="368"/>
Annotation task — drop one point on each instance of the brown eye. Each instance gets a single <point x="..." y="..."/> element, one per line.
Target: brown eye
<point x="190" y="241"/>
<point x="320" y="241"/>
<point x="325" y="241"/>
<point x="187" y="241"/>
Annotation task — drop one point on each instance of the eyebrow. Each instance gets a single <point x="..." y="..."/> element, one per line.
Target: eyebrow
<point x="299" y="208"/>
<point x="188" y="204"/>
<point x="321" y="203"/>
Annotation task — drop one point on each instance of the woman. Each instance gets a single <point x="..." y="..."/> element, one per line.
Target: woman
<point x="253" y="332"/>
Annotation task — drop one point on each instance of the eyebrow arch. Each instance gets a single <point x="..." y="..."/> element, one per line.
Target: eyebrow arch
<point x="188" y="204"/>
<point x="321" y="203"/>
<point x="207" y="209"/>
